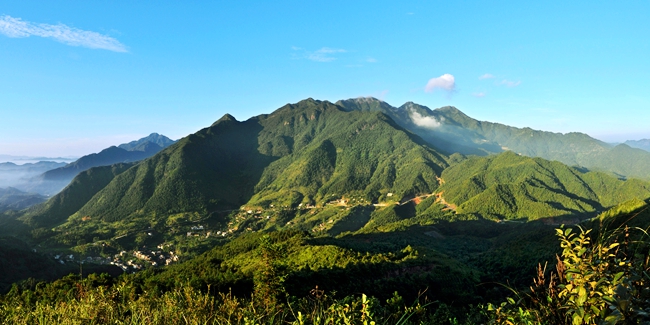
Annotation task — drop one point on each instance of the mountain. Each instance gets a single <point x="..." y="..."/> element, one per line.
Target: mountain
<point x="639" y="144"/>
<point x="309" y="153"/>
<point x="452" y="131"/>
<point x="362" y="204"/>
<point x="510" y="186"/>
<point x="14" y="199"/>
<point x="323" y="168"/>
<point x="52" y="181"/>
<point x="82" y="188"/>
<point x="142" y="144"/>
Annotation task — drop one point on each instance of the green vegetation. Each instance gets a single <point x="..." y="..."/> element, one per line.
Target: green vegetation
<point x="92" y="302"/>
<point x="509" y="186"/>
<point x="600" y="279"/>
<point x="459" y="133"/>
<point x="286" y="277"/>
<point x="324" y="213"/>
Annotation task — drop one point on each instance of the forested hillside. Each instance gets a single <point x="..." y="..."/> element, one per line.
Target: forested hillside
<point x="308" y="154"/>
<point x="509" y="186"/>
<point x="453" y="131"/>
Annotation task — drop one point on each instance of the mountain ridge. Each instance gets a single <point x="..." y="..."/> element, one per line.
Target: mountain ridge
<point x="53" y="181"/>
<point x="451" y="130"/>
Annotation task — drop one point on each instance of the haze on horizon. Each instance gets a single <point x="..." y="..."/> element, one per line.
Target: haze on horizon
<point x="79" y="77"/>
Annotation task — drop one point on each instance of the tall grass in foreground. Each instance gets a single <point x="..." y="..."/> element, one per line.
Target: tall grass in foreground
<point x="117" y="305"/>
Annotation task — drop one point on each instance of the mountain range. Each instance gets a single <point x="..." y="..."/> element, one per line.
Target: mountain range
<point x="452" y="131"/>
<point x="12" y="174"/>
<point x="54" y="180"/>
<point x="641" y="144"/>
<point x="353" y="196"/>
<point x="355" y="165"/>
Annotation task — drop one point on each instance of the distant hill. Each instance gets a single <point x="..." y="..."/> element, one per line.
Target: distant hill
<point x="639" y="144"/>
<point x="52" y="181"/>
<point x="143" y="144"/>
<point x="12" y="174"/>
<point x="14" y="199"/>
<point x="452" y="131"/>
<point x="32" y="159"/>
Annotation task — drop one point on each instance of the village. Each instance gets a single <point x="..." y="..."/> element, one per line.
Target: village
<point x="246" y="219"/>
<point x="127" y="261"/>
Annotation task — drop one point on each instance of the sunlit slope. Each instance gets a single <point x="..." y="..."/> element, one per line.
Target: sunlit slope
<point x="308" y="152"/>
<point x="510" y="186"/>
<point x="357" y="153"/>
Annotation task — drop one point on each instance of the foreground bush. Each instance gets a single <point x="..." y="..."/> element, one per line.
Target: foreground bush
<point x="602" y="281"/>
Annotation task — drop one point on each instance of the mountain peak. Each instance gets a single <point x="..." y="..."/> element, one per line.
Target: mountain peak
<point x="365" y="104"/>
<point x="224" y="119"/>
<point x="368" y="99"/>
<point x="411" y="106"/>
<point x="450" y="109"/>
<point x="155" y="138"/>
<point x="309" y="101"/>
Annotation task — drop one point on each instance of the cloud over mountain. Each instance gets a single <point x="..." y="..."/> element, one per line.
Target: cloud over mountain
<point x="445" y="82"/>
<point x="424" y="121"/>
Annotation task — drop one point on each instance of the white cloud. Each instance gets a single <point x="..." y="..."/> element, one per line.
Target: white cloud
<point x="371" y="60"/>
<point x="325" y="54"/>
<point x="424" y="121"/>
<point x="509" y="83"/>
<point x="479" y="94"/>
<point x="486" y="76"/>
<point x="18" y="28"/>
<point x="445" y="82"/>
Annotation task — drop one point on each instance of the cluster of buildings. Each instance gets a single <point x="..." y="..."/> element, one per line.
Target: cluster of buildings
<point x="128" y="262"/>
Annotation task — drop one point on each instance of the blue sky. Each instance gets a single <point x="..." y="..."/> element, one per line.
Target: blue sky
<point x="79" y="76"/>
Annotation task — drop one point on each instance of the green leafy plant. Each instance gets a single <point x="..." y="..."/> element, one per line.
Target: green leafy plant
<point x="596" y="282"/>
